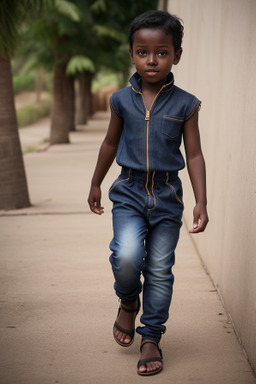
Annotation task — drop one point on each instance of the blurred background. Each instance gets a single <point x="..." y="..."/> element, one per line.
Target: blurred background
<point x="62" y="53"/>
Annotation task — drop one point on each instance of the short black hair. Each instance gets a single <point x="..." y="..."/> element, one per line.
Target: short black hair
<point x="171" y="24"/>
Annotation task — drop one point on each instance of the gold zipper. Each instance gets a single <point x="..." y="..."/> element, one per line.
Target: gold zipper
<point x="147" y="118"/>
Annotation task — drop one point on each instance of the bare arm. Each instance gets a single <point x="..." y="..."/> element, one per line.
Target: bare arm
<point x="106" y="157"/>
<point x="196" y="170"/>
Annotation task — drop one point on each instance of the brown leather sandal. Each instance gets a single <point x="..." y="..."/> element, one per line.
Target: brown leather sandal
<point x="150" y="359"/>
<point x="129" y="333"/>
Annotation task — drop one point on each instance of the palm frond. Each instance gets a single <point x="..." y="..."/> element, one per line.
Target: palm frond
<point x="30" y="64"/>
<point x="103" y="31"/>
<point x="79" y="64"/>
<point x="66" y="28"/>
<point x="9" y="36"/>
<point x="68" y="9"/>
<point x="99" y="6"/>
<point x="12" y="13"/>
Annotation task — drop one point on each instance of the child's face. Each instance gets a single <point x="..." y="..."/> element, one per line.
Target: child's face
<point x="153" y="54"/>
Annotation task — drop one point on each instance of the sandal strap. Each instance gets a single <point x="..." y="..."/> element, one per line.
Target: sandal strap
<point x="154" y="343"/>
<point x="136" y="310"/>
<point x="149" y="360"/>
<point x="129" y="310"/>
<point x="125" y="331"/>
<point x="129" y="333"/>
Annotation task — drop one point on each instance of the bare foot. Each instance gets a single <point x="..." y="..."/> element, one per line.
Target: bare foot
<point x="150" y="350"/>
<point x="126" y="320"/>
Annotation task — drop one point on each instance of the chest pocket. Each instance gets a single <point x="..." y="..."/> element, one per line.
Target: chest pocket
<point x="171" y="127"/>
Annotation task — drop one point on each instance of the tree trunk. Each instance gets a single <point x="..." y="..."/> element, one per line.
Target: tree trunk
<point x="59" y="117"/>
<point x="39" y="84"/>
<point x="71" y="102"/>
<point x="85" y="97"/>
<point x="13" y="184"/>
<point x="88" y="94"/>
<point x="81" y="117"/>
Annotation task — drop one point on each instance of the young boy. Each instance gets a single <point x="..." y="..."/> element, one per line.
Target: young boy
<point x="148" y="121"/>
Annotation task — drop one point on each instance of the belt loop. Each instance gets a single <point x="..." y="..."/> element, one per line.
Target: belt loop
<point x="167" y="177"/>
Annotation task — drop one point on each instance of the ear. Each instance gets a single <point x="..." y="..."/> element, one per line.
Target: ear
<point x="177" y="57"/>
<point x="131" y="56"/>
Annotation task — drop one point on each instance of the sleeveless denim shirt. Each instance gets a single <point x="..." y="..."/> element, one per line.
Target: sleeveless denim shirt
<point x="151" y="139"/>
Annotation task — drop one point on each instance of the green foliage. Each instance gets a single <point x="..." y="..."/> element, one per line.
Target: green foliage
<point x="25" y="76"/>
<point x="29" y="149"/>
<point x="66" y="8"/>
<point x="12" y="14"/>
<point x="99" y="6"/>
<point x="24" y="82"/>
<point x="31" y="113"/>
<point x="103" y="79"/>
<point x="122" y="56"/>
<point x="91" y="34"/>
<point x="107" y="32"/>
<point x="79" y="64"/>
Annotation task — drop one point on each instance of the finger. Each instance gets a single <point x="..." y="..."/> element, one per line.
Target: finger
<point x="203" y="224"/>
<point x="95" y="207"/>
<point x="194" y="229"/>
<point x="196" y="223"/>
<point x="199" y="226"/>
<point x="98" y="208"/>
<point x="99" y="211"/>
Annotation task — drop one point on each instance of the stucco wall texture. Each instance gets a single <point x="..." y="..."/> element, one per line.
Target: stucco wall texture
<point x="218" y="65"/>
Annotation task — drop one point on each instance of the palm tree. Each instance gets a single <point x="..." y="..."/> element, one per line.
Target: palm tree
<point x="78" y="38"/>
<point x="13" y="186"/>
<point x="47" y="44"/>
<point x="100" y="42"/>
<point x="59" y="118"/>
<point x="95" y="39"/>
<point x="62" y="27"/>
<point x="82" y="67"/>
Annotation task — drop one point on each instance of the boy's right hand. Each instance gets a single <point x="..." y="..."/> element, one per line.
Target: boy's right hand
<point x="94" y="200"/>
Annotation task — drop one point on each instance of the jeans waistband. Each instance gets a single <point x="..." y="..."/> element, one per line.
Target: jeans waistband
<point x="152" y="176"/>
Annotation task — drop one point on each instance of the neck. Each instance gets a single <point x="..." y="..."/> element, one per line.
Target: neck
<point x="151" y="88"/>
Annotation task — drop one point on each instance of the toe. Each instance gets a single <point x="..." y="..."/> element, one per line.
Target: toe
<point x="143" y="369"/>
<point x="157" y="365"/>
<point x="127" y="339"/>
<point x="122" y="337"/>
<point x="152" y="367"/>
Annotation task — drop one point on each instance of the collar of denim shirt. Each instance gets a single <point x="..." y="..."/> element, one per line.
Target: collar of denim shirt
<point x="135" y="81"/>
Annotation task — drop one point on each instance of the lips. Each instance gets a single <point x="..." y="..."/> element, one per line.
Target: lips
<point x="152" y="72"/>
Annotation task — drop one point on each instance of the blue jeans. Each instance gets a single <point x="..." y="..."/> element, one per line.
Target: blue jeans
<point x="147" y="211"/>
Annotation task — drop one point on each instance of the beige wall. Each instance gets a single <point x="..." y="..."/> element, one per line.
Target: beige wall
<point x="219" y="66"/>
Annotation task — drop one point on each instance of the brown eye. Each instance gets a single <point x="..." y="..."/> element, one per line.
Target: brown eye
<point x="141" y="52"/>
<point x="162" y="53"/>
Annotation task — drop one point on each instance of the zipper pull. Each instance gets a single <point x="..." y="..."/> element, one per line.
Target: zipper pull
<point x="147" y="115"/>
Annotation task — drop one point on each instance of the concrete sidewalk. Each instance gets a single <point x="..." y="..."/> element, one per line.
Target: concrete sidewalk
<point x="57" y="300"/>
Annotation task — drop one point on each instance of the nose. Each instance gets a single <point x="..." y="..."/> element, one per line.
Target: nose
<point x="152" y="59"/>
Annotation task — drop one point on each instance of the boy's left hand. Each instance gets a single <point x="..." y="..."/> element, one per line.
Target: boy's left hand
<point x="200" y="218"/>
